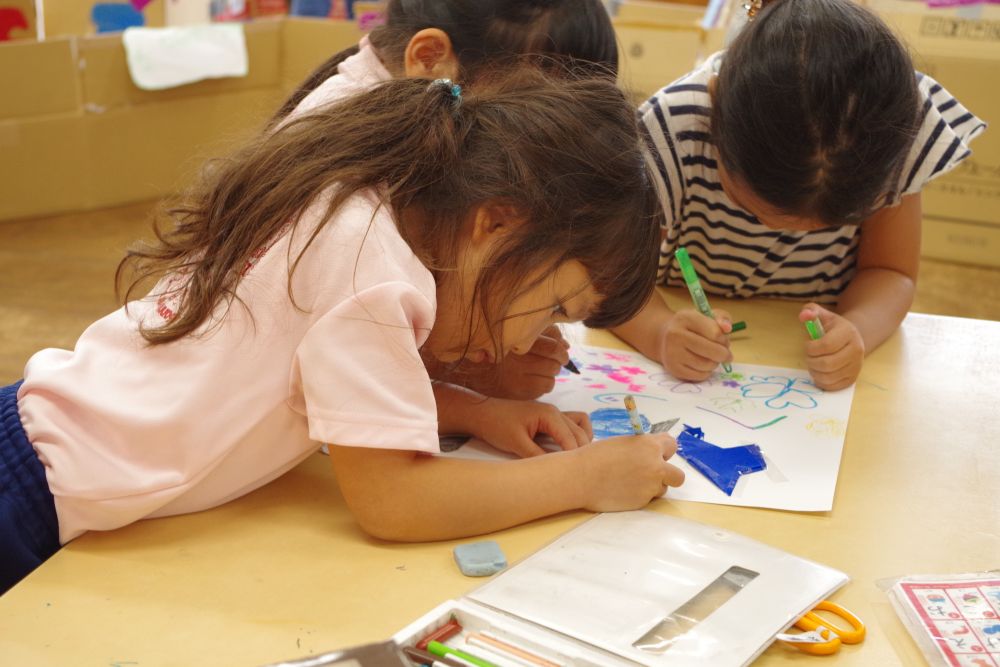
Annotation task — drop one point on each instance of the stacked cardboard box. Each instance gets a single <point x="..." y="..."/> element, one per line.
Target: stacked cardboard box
<point x="76" y="133"/>
<point x="18" y="20"/>
<point x="960" y="47"/>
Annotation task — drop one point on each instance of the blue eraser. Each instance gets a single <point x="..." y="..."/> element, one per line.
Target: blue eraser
<point x="480" y="559"/>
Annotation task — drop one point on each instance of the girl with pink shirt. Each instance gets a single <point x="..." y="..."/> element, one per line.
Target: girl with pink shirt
<point x="303" y="286"/>
<point x="457" y="39"/>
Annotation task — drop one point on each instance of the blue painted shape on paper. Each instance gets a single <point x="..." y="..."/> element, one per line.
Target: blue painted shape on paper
<point x="723" y="466"/>
<point x="609" y="422"/>
<point x="109" y="17"/>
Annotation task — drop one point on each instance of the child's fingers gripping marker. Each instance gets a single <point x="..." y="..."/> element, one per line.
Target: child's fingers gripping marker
<point x="480" y="559"/>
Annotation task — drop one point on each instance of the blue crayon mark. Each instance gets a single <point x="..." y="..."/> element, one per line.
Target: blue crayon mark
<point x="609" y="422"/>
<point x="723" y="466"/>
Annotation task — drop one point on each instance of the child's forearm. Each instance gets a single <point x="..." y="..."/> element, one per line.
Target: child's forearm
<point x="457" y="407"/>
<point x="876" y="302"/>
<point x="645" y="330"/>
<point x="403" y="496"/>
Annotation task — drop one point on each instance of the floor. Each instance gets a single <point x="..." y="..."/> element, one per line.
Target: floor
<point x="56" y="277"/>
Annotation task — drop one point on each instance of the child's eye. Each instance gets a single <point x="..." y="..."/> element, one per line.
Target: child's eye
<point x="560" y="310"/>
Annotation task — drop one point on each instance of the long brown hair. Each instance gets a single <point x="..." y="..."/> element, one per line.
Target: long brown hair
<point x="575" y="33"/>
<point x="562" y="152"/>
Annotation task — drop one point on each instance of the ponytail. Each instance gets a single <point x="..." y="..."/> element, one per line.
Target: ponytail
<point x="563" y="153"/>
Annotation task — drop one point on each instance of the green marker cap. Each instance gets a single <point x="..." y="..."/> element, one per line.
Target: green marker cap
<point x="738" y="326"/>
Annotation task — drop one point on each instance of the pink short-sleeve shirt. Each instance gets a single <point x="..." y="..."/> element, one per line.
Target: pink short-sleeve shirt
<point x="126" y="430"/>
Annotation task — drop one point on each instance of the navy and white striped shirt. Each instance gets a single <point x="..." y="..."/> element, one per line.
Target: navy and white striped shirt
<point x="737" y="256"/>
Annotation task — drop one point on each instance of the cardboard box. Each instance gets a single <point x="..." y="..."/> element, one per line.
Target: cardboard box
<point x="652" y="55"/>
<point x="308" y="42"/>
<point x="107" y="84"/>
<point x="39" y="78"/>
<point x="661" y="13"/>
<point x="961" y="208"/>
<point x="18" y="20"/>
<point x="70" y="18"/>
<point x="259" y="8"/>
<point x="77" y="134"/>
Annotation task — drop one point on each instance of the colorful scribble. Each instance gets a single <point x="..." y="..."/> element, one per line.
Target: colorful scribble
<point x="736" y="421"/>
<point x="610" y="422"/>
<point x="616" y="397"/>
<point x="624" y="375"/>
<point x="779" y="392"/>
<point x="733" y="404"/>
<point x="627" y="381"/>
<point x="666" y="380"/>
<point x="833" y="428"/>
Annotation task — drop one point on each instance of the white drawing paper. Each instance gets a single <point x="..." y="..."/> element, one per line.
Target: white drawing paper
<point x="799" y="428"/>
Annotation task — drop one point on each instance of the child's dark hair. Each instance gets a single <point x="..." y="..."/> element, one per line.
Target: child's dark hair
<point x="561" y="153"/>
<point x="815" y="109"/>
<point x="576" y="33"/>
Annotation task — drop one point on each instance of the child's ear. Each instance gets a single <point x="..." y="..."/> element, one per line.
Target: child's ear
<point x="491" y="223"/>
<point x="429" y="55"/>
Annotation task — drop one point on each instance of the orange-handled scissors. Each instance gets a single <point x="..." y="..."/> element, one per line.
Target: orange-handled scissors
<point x="822" y="637"/>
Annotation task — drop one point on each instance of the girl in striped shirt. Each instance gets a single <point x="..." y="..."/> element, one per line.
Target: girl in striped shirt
<point x="790" y="166"/>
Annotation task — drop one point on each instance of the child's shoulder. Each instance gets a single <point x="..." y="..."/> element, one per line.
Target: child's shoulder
<point x="359" y="243"/>
<point x="943" y="139"/>
<point x="679" y="114"/>
<point x="690" y="90"/>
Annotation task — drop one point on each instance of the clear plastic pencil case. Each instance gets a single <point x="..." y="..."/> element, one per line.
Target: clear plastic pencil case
<point x="636" y="588"/>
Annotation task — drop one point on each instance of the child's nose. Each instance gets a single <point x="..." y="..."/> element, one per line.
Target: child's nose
<point x="521" y="348"/>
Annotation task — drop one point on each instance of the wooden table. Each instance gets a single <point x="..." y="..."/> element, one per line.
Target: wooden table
<point x="285" y="571"/>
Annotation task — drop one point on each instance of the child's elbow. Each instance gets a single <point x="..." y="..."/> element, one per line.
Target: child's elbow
<point x="393" y="525"/>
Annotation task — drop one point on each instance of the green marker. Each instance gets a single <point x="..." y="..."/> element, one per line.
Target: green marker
<point x="694" y="287"/>
<point x="738" y="326"/>
<point x="815" y="328"/>
<point x="440" y="650"/>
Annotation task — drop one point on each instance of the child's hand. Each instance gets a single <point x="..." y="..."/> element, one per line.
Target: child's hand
<point x="835" y="359"/>
<point x="512" y="426"/>
<point x="528" y="376"/>
<point x="626" y="472"/>
<point x="692" y="345"/>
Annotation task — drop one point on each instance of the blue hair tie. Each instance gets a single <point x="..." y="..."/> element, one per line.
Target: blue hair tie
<point x="454" y="89"/>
